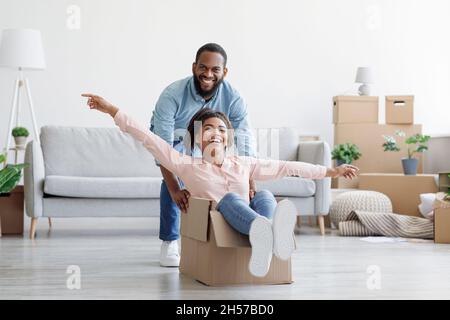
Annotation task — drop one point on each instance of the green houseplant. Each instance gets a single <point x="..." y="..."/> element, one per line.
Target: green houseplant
<point x="345" y="153"/>
<point x="20" y="135"/>
<point x="417" y="143"/>
<point x="10" y="175"/>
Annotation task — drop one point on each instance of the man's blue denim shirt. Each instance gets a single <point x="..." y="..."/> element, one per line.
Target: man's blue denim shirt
<point x="180" y="101"/>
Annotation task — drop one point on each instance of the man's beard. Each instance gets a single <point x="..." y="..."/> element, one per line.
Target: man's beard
<point x="208" y="93"/>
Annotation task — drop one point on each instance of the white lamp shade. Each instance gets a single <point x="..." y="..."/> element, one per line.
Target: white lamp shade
<point x="22" y="48"/>
<point x="364" y="75"/>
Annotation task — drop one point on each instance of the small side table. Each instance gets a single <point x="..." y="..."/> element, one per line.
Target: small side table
<point x="403" y="190"/>
<point x="11" y="212"/>
<point x="16" y="150"/>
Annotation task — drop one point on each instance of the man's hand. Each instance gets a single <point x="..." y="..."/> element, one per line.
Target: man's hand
<point x="181" y="198"/>
<point x="252" y="189"/>
<point x="100" y="104"/>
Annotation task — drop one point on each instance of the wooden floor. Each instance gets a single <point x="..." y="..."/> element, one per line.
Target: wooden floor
<point x="119" y="260"/>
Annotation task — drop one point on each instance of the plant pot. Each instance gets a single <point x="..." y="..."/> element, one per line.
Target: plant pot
<point x="11" y="211"/>
<point x="410" y="166"/>
<point x="340" y="162"/>
<point x="20" y="141"/>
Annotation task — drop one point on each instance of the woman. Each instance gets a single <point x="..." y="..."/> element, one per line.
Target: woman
<point x="224" y="179"/>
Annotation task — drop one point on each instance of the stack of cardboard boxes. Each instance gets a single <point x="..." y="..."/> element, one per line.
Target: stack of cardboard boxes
<point x="356" y="121"/>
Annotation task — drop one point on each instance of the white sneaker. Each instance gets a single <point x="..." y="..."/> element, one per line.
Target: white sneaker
<point x="261" y="240"/>
<point x="169" y="256"/>
<point x="283" y="229"/>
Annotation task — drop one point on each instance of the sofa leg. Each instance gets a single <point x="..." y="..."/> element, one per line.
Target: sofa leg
<point x="321" y="224"/>
<point x="49" y="222"/>
<point x="33" y="227"/>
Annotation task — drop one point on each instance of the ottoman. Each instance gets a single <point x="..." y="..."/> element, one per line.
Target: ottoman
<point x="345" y="203"/>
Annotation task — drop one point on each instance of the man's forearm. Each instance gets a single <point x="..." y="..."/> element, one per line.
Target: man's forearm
<point x="170" y="179"/>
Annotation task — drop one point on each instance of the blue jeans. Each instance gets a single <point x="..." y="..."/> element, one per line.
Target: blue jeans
<point x="240" y="215"/>
<point x="169" y="214"/>
<point x="169" y="217"/>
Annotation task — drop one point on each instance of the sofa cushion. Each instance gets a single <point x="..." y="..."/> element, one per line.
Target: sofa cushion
<point x="103" y="187"/>
<point x="94" y="152"/>
<point x="277" y="143"/>
<point x="289" y="187"/>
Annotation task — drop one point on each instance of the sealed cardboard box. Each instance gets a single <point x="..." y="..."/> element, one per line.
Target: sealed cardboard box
<point x="355" y="109"/>
<point x="403" y="190"/>
<point x="369" y="139"/>
<point x="343" y="183"/>
<point x="444" y="182"/>
<point x="442" y="225"/>
<point x="399" y="109"/>
<point x="215" y="254"/>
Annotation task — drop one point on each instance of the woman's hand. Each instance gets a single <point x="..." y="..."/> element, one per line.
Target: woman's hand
<point x="252" y="189"/>
<point x="346" y="170"/>
<point x="100" y="104"/>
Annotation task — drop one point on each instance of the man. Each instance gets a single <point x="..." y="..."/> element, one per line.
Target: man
<point x="175" y="107"/>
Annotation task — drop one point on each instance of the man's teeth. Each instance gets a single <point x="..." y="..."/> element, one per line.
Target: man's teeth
<point x="216" y="141"/>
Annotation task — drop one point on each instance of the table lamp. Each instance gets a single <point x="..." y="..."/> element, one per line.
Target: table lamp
<point x="364" y="75"/>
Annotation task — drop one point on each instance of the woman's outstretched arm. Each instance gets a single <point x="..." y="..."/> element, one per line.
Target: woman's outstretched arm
<point x="160" y="149"/>
<point x="267" y="169"/>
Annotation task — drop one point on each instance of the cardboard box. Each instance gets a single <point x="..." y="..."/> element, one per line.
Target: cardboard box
<point x="369" y="139"/>
<point x="404" y="191"/>
<point x="342" y="183"/>
<point x="11" y="212"/>
<point x="444" y="182"/>
<point x="442" y="225"/>
<point x="215" y="254"/>
<point x="436" y="158"/>
<point x="399" y="109"/>
<point x="355" y="109"/>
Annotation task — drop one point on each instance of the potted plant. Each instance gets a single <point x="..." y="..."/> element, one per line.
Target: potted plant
<point x="345" y="153"/>
<point x="20" y="135"/>
<point x="10" y="176"/>
<point x="417" y="142"/>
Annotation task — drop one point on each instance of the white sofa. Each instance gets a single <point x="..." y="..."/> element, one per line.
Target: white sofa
<point x="101" y="172"/>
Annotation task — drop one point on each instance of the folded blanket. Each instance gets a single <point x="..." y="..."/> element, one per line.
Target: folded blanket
<point x="363" y="223"/>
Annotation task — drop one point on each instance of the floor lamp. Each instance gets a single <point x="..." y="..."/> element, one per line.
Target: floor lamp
<point x="21" y="49"/>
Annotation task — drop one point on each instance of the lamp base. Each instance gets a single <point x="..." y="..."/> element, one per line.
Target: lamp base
<point x="364" y="90"/>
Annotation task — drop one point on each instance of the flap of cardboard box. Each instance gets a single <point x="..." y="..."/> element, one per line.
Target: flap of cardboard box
<point x="194" y="223"/>
<point x="226" y="236"/>
<point x="399" y="99"/>
<point x="355" y="98"/>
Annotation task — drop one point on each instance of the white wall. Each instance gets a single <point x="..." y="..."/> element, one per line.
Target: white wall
<point x="287" y="58"/>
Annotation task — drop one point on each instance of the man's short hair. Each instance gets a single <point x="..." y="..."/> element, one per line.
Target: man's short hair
<point x="212" y="47"/>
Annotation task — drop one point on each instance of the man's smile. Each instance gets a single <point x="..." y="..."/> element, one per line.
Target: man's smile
<point x="207" y="81"/>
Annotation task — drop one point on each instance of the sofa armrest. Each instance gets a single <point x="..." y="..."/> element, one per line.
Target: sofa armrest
<point x="34" y="177"/>
<point x="318" y="152"/>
